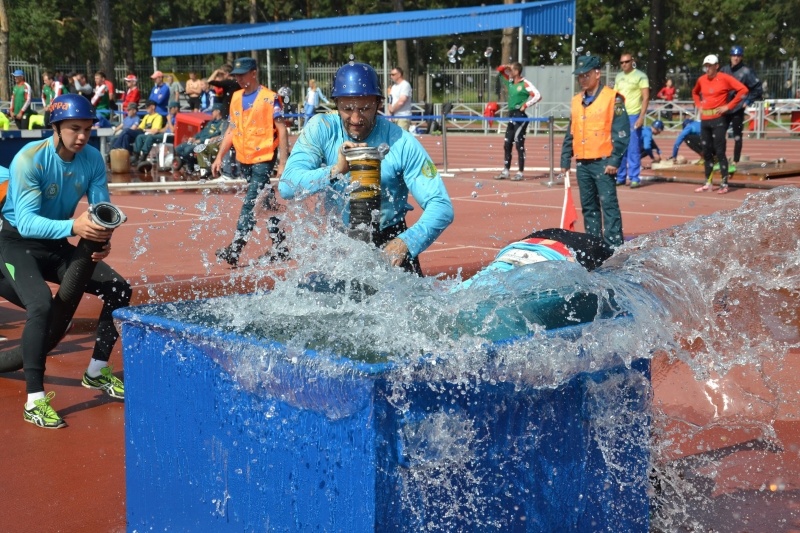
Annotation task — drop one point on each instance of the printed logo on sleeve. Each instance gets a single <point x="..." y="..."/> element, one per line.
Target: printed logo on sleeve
<point x="429" y="169"/>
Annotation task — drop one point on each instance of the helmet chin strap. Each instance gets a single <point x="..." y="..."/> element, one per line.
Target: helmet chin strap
<point x="60" y="140"/>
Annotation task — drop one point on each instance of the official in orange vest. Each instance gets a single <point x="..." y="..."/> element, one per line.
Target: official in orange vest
<point x="258" y="134"/>
<point x="597" y="135"/>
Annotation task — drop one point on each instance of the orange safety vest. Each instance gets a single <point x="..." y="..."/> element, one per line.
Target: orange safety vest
<point x="591" y="125"/>
<point x="254" y="129"/>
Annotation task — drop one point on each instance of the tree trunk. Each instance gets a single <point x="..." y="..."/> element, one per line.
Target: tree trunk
<point x="656" y="66"/>
<point x="402" y="46"/>
<point x="105" y="33"/>
<point x="253" y="18"/>
<point x="127" y="39"/>
<point x="508" y="42"/>
<point x="229" y="20"/>
<point x="4" y="94"/>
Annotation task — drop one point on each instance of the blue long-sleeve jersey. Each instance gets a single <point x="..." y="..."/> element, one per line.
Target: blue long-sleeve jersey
<point x="690" y="129"/>
<point x="44" y="190"/>
<point x="406" y="168"/>
<point x="648" y="143"/>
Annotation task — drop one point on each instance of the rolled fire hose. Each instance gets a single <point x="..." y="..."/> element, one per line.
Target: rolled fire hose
<point x="365" y="193"/>
<point x="69" y="294"/>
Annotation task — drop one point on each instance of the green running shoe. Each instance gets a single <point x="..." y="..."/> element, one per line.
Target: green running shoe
<point x="106" y="382"/>
<point x="42" y="414"/>
<point x="731" y="168"/>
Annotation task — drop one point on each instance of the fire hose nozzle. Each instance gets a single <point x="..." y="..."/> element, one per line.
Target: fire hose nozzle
<point x="107" y="215"/>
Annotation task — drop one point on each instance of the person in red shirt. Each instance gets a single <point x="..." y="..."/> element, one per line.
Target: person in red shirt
<point x="710" y="96"/>
<point x="667" y="92"/>
<point x="132" y="94"/>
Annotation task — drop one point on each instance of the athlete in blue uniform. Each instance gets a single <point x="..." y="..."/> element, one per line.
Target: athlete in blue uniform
<point x="317" y="164"/>
<point x="48" y="179"/>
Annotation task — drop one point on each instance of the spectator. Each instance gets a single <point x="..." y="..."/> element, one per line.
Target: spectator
<point x="50" y="90"/>
<point x="400" y="99"/>
<point x="159" y="93"/>
<point x="210" y="135"/>
<point x="81" y="87"/>
<point x="597" y="135"/>
<point x="735" y="116"/>
<point x="711" y="97"/>
<point x="100" y="98"/>
<point x="37" y="216"/>
<point x="123" y="136"/>
<point x="258" y="134"/>
<point x="317" y="165"/>
<point x="221" y="79"/>
<point x="175" y="88"/>
<point x="521" y="95"/>
<point x="313" y="96"/>
<point x="634" y="86"/>
<point x="787" y="86"/>
<point x="112" y="95"/>
<point x="691" y="136"/>
<point x="667" y="93"/>
<point x="132" y="94"/>
<point x="207" y="98"/>
<point x="194" y="88"/>
<point x="150" y="124"/>
<point x="144" y="143"/>
<point x="21" y="100"/>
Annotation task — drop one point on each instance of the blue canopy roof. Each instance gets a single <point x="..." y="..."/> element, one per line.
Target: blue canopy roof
<point x="547" y="17"/>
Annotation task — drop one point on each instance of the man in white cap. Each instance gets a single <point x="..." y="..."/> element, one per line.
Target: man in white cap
<point x="710" y="95"/>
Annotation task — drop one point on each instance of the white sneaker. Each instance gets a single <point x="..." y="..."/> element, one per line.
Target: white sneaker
<point x="518" y="177"/>
<point x="503" y="175"/>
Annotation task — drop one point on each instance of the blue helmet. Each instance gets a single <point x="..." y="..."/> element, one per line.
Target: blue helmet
<point x="658" y="125"/>
<point x="71" y="106"/>
<point x="737" y="50"/>
<point x="356" y="79"/>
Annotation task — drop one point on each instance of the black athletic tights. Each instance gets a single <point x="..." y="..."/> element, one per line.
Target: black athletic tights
<point x="515" y="134"/>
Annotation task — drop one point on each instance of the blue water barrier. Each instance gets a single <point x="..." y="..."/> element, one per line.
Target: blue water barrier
<point x="230" y="433"/>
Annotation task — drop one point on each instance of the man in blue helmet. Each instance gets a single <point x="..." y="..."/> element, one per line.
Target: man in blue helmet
<point x="317" y="164"/>
<point x="48" y="179"/>
<point x="649" y="147"/>
<point x="735" y="116"/>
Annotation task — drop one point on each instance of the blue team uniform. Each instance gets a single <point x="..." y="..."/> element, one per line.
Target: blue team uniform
<point x="692" y="128"/>
<point x="648" y="143"/>
<point x="406" y="168"/>
<point x="44" y="190"/>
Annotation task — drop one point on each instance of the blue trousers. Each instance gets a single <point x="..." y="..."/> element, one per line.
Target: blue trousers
<point x="631" y="165"/>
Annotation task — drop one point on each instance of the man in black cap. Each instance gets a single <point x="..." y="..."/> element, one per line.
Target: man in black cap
<point x="258" y="134"/>
<point x="735" y="116"/>
<point x="598" y="136"/>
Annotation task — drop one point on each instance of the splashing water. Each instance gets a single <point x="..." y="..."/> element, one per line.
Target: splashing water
<point x="717" y="296"/>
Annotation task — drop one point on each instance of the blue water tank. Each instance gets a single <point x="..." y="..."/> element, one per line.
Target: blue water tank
<point x="228" y="433"/>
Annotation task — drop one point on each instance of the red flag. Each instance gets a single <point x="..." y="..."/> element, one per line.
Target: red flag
<point x="568" y="213"/>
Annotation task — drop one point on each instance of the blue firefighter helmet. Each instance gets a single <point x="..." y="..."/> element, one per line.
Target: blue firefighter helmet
<point x="658" y="125"/>
<point x="737" y="50"/>
<point x="356" y="79"/>
<point x="71" y="106"/>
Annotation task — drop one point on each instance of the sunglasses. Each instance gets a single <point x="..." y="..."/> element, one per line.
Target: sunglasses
<point x="625" y="62"/>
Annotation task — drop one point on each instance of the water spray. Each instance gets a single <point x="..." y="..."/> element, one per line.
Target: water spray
<point x="72" y="287"/>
